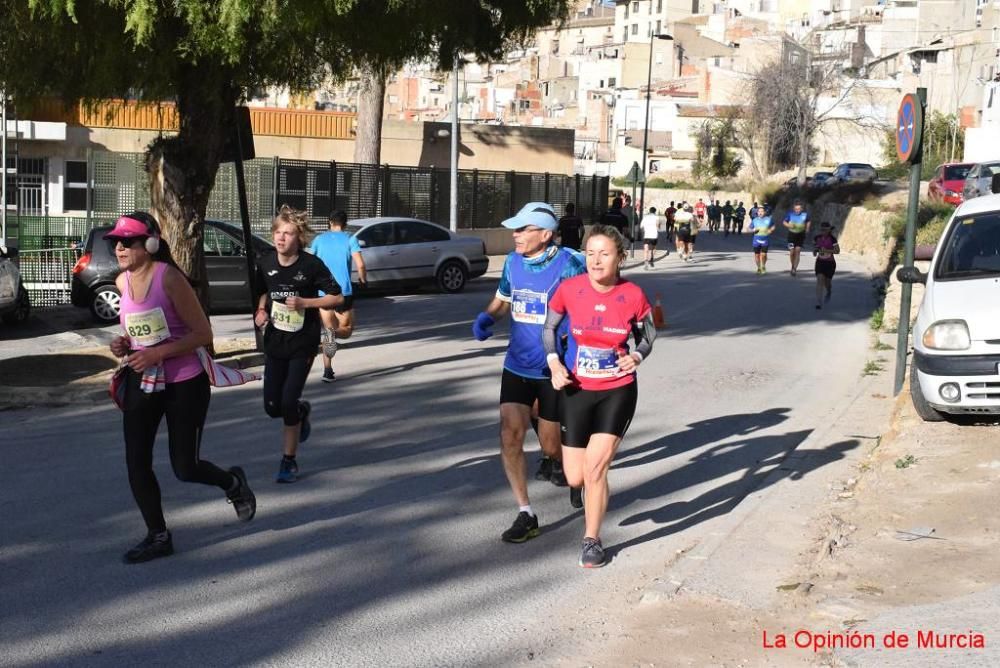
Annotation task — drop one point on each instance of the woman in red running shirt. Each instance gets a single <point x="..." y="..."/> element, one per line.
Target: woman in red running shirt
<point x="599" y="386"/>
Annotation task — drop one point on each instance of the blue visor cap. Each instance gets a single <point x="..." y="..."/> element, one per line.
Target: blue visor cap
<point x="534" y="214"/>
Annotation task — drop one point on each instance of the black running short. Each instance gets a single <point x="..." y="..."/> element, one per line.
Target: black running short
<point x="683" y="235"/>
<point x="516" y="389"/>
<point x="346" y="306"/>
<point x="650" y="242"/>
<point x="589" y="412"/>
<point x="796" y="239"/>
<point x="826" y="268"/>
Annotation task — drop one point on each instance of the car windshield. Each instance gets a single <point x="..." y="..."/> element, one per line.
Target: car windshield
<point x="858" y="165"/>
<point x="989" y="169"/>
<point x="972" y="248"/>
<point x="956" y="172"/>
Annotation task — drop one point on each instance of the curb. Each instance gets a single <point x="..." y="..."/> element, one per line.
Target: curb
<point x="244" y="361"/>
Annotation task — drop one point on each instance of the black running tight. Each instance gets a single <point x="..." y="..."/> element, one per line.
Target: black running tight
<point x="284" y="381"/>
<point x="185" y="405"/>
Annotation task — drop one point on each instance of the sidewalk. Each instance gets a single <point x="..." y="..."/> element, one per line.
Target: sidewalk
<point x="842" y="556"/>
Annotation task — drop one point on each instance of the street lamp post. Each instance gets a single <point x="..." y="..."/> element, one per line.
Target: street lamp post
<point x="645" y="126"/>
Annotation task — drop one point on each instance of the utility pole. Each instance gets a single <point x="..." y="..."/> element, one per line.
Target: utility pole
<point x="453" y="209"/>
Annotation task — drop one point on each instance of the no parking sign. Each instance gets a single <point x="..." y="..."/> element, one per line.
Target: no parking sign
<point x="909" y="129"/>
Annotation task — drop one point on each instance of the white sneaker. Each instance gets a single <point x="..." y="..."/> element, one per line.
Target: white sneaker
<point x="328" y="340"/>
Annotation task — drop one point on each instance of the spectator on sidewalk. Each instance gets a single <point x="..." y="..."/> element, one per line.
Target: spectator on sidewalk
<point x="570" y="228"/>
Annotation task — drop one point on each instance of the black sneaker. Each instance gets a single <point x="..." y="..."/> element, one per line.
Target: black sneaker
<point x="592" y="555"/>
<point x="305" y="427"/>
<point x="525" y="526"/>
<point x="153" y="546"/>
<point x="329" y="376"/>
<point x="242" y="497"/>
<point x="544" y="471"/>
<point x="557" y="477"/>
<point x="576" y="497"/>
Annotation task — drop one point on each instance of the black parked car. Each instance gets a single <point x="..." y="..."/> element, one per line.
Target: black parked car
<point x="225" y="261"/>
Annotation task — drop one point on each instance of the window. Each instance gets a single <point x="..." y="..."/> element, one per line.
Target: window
<point x="659" y="6"/>
<point x="625" y="35"/>
<point x="972" y="248"/>
<point x="658" y="24"/>
<point x="219" y="244"/>
<point x="611" y="82"/>
<point x="635" y="7"/>
<point x="635" y="28"/>
<point x="415" y="232"/>
<point x="75" y="186"/>
<point x="375" y="235"/>
<point x="626" y="10"/>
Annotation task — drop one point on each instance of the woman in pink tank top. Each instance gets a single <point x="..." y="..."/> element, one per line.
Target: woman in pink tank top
<point x="163" y="325"/>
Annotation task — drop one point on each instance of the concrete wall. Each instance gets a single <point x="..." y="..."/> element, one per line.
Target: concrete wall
<point x="495" y="147"/>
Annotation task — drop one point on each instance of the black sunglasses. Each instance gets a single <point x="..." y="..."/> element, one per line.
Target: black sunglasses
<point x="129" y="242"/>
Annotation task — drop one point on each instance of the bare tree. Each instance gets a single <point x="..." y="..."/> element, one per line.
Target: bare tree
<point x="791" y="102"/>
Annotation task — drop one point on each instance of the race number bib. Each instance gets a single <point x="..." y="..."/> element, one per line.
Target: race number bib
<point x="147" y="328"/>
<point x="597" y="362"/>
<point x="529" y="307"/>
<point x="286" y="319"/>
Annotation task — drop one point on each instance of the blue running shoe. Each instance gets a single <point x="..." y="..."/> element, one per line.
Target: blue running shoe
<point x="288" y="471"/>
<point x="306" y="427"/>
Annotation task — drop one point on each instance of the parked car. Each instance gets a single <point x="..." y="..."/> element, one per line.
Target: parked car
<point x="979" y="179"/>
<point x="948" y="181"/>
<point x="956" y="338"/>
<point x="400" y="251"/>
<point x="15" y="305"/>
<point x="853" y="172"/>
<point x="94" y="275"/>
<point x="821" y="179"/>
<point x="794" y="181"/>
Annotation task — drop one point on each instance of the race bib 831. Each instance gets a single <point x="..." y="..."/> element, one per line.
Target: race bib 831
<point x="286" y="319"/>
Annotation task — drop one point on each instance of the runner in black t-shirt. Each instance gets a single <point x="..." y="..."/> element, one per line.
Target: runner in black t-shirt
<point x="570" y="228"/>
<point x="288" y="282"/>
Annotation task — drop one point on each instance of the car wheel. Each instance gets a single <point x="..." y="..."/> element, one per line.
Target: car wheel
<point x="451" y="277"/>
<point x="106" y="304"/>
<point x="926" y="412"/>
<point x="23" y="310"/>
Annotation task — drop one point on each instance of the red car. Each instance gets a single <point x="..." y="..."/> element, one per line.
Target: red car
<point x="946" y="184"/>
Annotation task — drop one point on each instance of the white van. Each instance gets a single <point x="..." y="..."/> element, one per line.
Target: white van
<point x="956" y="338"/>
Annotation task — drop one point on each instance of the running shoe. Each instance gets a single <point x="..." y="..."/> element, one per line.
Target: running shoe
<point x="544" y="471"/>
<point x="576" y="497"/>
<point x="329" y="376"/>
<point x="306" y="427"/>
<point x="525" y="526"/>
<point x="592" y="555"/>
<point x="763" y="270"/>
<point x="558" y="477"/>
<point x="328" y="340"/>
<point x="153" y="546"/>
<point x="242" y="497"/>
<point x="818" y="307"/>
<point x="288" y="471"/>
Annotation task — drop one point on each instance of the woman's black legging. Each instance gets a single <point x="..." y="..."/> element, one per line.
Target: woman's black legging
<point x="185" y="405"/>
<point x="284" y="381"/>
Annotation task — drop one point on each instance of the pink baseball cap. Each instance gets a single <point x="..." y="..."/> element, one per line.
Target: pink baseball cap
<point x="133" y="225"/>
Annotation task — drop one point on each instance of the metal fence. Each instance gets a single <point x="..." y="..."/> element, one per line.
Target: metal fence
<point x="47" y="274"/>
<point x="117" y="183"/>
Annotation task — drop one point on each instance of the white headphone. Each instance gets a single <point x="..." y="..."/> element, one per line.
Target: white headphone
<point x="152" y="243"/>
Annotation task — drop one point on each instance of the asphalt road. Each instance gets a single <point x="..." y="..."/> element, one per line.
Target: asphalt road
<point x="387" y="551"/>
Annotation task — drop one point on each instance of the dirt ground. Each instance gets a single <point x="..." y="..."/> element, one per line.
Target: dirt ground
<point x="868" y="555"/>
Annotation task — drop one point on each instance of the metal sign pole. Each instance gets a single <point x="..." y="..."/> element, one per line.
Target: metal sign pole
<point x="909" y="131"/>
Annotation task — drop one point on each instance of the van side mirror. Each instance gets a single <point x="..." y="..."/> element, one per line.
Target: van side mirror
<point x="995" y="184"/>
<point x="910" y="275"/>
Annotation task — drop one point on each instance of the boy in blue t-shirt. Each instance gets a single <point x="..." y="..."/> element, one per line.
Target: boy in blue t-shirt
<point x="338" y="249"/>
